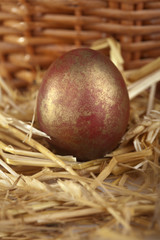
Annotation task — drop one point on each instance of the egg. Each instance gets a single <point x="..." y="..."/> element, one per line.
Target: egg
<point x="83" y="104"/>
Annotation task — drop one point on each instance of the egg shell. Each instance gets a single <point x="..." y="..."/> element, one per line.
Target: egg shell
<point x="83" y="104"/>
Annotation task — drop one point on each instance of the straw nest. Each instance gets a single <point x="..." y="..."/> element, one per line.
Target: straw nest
<point x="47" y="196"/>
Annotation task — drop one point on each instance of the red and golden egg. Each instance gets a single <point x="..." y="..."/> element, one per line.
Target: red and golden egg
<point x="83" y="104"/>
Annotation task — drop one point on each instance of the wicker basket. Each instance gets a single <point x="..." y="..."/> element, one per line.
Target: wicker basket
<point x="35" y="32"/>
<point x="44" y="195"/>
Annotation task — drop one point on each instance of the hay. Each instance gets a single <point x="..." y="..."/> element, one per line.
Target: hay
<point x="47" y="196"/>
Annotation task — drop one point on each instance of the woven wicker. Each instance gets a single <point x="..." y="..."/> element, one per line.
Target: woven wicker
<point x="35" y="32"/>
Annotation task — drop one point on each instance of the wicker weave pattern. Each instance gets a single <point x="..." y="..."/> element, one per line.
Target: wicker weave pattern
<point x="35" y="32"/>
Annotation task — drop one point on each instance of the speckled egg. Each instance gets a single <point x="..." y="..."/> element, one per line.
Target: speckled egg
<point x="83" y="104"/>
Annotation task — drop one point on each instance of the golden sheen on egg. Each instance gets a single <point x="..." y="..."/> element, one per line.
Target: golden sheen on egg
<point x="83" y="104"/>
